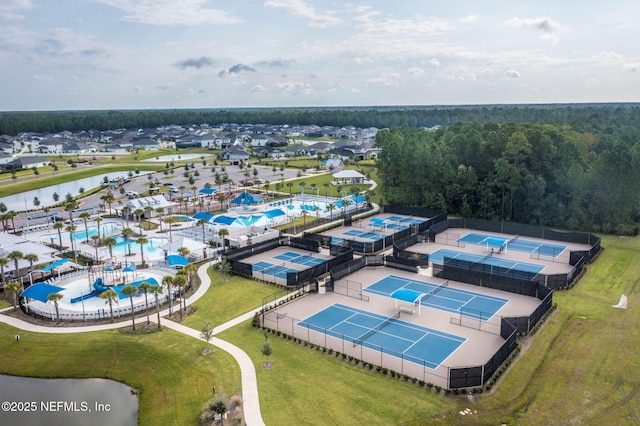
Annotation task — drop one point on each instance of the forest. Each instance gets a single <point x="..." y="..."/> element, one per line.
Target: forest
<point x="542" y="174"/>
<point x="582" y="117"/>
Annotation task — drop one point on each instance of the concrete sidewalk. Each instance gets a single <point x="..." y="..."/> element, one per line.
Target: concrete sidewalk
<point x="251" y="400"/>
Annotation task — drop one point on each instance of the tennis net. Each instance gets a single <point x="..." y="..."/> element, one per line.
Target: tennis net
<point x="435" y="290"/>
<point x="375" y="329"/>
<point x="506" y="245"/>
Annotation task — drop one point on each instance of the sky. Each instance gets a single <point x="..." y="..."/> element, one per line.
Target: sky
<point x="140" y="54"/>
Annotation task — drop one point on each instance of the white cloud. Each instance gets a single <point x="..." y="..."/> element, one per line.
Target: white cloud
<point x="415" y="72"/>
<point x="468" y="19"/>
<point x="290" y="86"/>
<point x="171" y="12"/>
<point x="385" y="79"/>
<point x="258" y="88"/>
<point x="632" y="67"/>
<point x="512" y="74"/>
<point x="8" y="9"/>
<point x="306" y="11"/>
<point x="434" y="62"/>
<point x="545" y="25"/>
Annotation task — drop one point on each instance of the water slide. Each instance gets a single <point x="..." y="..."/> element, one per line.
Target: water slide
<point x="98" y="288"/>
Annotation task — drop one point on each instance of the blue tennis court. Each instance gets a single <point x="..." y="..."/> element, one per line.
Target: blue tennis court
<point x="392" y="336"/>
<point x="364" y="234"/>
<point x="496" y="264"/>
<point x="514" y="243"/>
<point x="300" y="259"/>
<point x="267" y="268"/>
<point x="405" y="220"/>
<point x="467" y="303"/>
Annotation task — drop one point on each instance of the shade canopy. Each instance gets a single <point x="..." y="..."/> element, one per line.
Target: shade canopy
<point x="177" y="260"/>
<point x="407" y="295"/>
<point x="40" y="291"/>
<point x="54" y="265"/>
<point x="246" y="199"/>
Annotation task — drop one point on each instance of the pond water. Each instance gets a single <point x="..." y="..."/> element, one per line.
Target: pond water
<point x="24" y="200"/>
<point x="30" y="401"/>
<point x="178" y="157"/>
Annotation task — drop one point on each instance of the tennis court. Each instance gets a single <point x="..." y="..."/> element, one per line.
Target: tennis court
<point x="300" y="259"/>
<point x="266" y="268"/>
<point x="405" y="220"/>
<point x="364" y="234"/>
<point x="390" y="335"/>
<point x="514" y="243"/>
<point x="495" y="264"/>
<point x="467" y="303"/>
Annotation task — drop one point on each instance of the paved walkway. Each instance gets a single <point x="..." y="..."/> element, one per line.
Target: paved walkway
<point x="251" y="401"/>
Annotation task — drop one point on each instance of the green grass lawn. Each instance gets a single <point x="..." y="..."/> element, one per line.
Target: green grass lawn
<point x="305" y="386"/>
<point x="227" y="300"/>
<point x="173" y="376"/>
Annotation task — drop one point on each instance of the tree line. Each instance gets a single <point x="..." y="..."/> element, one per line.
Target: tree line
<point x="539" y="174"/>
<point x="585" y="117"/>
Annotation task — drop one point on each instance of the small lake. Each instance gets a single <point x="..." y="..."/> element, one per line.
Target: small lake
<point x="30" y="401"/>
<point x="24" y="200"/>
<point x="178" y="157"/>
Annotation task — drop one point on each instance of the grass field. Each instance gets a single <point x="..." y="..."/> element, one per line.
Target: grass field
<point x="173" y="376"/>
<point x="581" y="367"/>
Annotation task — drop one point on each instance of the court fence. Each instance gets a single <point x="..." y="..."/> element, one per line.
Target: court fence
<point x="523" y="230"/>
<point x="383" y="358"/>
<point x="432" y="216"/>
<point x="525" y="287"/>
<point x="387" y="360"/>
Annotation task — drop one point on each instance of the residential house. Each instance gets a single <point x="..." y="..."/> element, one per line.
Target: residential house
<point x="268" y="152"/>
<point x="235" y="154"/>
<point x="26" y="163"/>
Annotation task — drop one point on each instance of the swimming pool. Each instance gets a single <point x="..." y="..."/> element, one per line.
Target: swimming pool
<point x="81" y="234"/>
<point x="151" y="249"/>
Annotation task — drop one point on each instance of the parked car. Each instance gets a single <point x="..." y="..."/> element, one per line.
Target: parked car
<point x="131" y="194"/>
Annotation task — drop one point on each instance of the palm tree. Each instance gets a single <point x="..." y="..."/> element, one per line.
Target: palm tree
<point x="85" y="216"/>
<point x="183" y="251"/>
<point x="156" y="290"/>
<point x="167" y="281"/>
<point x="170" y="221"/>
<point x="11" y="215"/>
<point x="221" y="197"/>
<point x="160" y="211"/>
<point x="139" y="213"/>
<point x="202" y="223"/>
<point x="304" y="217"/>
<point x="145" y="287"/>
<point x="31" y="258"/>
<point x="331" y="207"/>
<point x="95" y="239"/>
<point x="110" y="242"/>
<point x="58" y="226"/>
<point x="108" y="198"/>
<point x="70" y="205"/>
<point x="142" y="241"/>
<point x="125" y="213"/>
<point x="290" y="185"/>
<point x="326" y="188"/>
<point x="181" y="282"/>
<point x="13" y="288"/>
<point x="109" y="296"/>
<point x="126" y="233"/>
<point x="16" y="255"/>
<point x="345" y="204"/>
<point x="3" y="262"/>
<point x="71" y="229"/>
<point x="54" y="297"/>
<point x="98" y="220"/>
<point x="222" y="233"/>
<point x="130" y="291"/>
